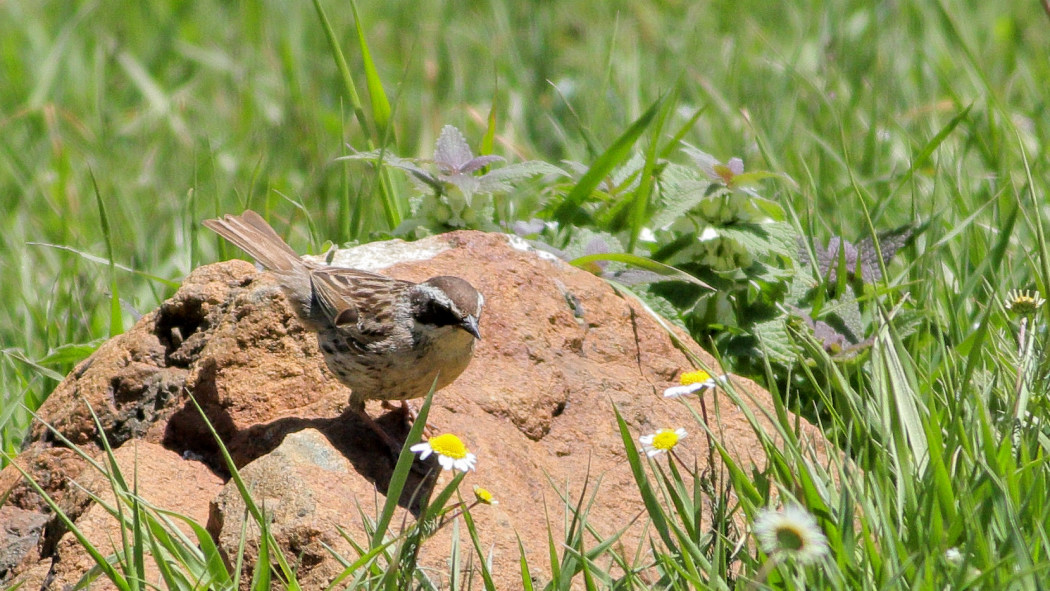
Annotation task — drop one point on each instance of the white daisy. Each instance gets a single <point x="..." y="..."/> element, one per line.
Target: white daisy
<point x="662" y="441"/>
<point x="792" y="532"/>
<point x="694" y="381"/>
<point x="451" y="452"/>
<point x="1023" y="302"/>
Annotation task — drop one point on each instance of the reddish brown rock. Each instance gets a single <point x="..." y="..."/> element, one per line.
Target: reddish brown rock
<point x="159" y="476"/>
<point x="560" y="348"/>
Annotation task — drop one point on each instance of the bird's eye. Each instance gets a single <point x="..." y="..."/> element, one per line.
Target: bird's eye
<point x="437" y="314"/>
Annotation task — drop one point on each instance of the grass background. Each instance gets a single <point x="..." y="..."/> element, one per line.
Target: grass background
<point x="180" y="111"/>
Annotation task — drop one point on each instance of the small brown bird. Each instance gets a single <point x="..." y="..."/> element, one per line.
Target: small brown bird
<point x="385" y="338"/>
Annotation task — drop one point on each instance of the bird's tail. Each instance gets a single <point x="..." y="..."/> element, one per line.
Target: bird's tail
<point x="250" y="232"/>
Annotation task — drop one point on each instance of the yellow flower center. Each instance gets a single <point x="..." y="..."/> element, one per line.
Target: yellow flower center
<point x="790" y="538"/>
<point x="725" y="173"/>
<point x="695" y="377"/>
<point x="448" y="445"/>
<point x="1024" y="302"/>
<point x="665" y="439"/>
<point x="483" y="495"/>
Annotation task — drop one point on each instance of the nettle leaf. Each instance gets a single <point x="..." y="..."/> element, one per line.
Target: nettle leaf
<point x="776" y="341"/>
<point x="502" y="180"/>
<point x="889" y="243"/>
<point x="828" y="258"/>
<point x="631" y="170"/>
<point x="862" y="255"/>
<point x="388" y="159"/>
<point x="840" y="345"/>
<point x="706" y="162"/>
<point x="769" y="274"/>
<point x="799" y="288"/>
<point x="777" y="238"/>
<point x="452" y="153"/>
<point x="456" y="167"/>
<point x="467" y="184"/>
<point x="766" y="207"/>
<point x="587" y="242"/>
<point x="830" y="339"/>
<point x="845" y="312"/>
<point x="681" y="189"/>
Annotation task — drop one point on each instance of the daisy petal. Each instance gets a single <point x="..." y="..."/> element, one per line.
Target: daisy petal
<point x="676" y="391"/>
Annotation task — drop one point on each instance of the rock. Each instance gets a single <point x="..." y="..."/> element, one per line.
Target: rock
<point x="307" y="489"/>
<point x="560" y="350"/>
<point x="20" y="530"/>
<point x="159" y="476"/>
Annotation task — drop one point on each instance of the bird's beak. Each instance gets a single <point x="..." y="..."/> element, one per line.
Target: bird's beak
<point x="470" y="324"/>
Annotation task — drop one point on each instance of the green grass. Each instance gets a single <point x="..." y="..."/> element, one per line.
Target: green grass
<point x="121" y="127"/>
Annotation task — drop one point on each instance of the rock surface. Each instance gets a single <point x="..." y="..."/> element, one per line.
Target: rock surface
<point x="560" y="348"/>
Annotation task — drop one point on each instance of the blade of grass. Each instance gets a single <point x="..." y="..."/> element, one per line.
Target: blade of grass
<point x="401" y="470"/>
<point x="116" y="316"/>
<point x="103" y="564"/>
<point x="250" y="506"/>
<point x="380" y="104"/>
<point x="392" y="208"/>
<point x="641" y="262"/>
<point x="526" y="575"/>
<point x="570" y="210"/>
<point x="261" y="572"/>
<point x="640" y="199"/>
<point x="652" y="505"/>
<point x="471" y="529"/>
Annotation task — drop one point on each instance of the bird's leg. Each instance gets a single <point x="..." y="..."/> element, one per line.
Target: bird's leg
<point x="410" y="415"/>
<point x="393" y="444"/>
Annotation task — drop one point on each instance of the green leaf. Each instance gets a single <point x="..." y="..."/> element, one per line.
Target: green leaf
<point x="392" y="207"/>
<point x="101" y="562"/>
<point x="344" y="69"/>
<point x="71" y="354"/>
<point x="214" y="565"/>
<point x="752" y="178"/>
<point x="652" y="505"/>
<point x="526" y="575"/>
<point x="640" y="200"/>
<point x="846" y="309"/>
<point x="570" y="210"/>
<point x="19" y="355"/>
<point x="380" y="105"/>
<point x="116" y="316"/>
<point x="640" y="262"/>
<point x="923" y="157"/>
<point x="488" y="140"/>
<point x="681" y="189"/>
<point x="760" y="240"/>
<point x="401" y="470"/>
<point x="502" y="180"/>
<point x="896" y="389"/>
<point x="96" y="259"/>
<point x="472" y="530"/>
<point x="776" y="341"/>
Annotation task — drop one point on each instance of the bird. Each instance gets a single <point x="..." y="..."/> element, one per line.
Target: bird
<point x="385" y="338"/>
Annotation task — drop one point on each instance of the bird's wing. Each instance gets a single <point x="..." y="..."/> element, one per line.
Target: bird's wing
<point x="358" y="301"/>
